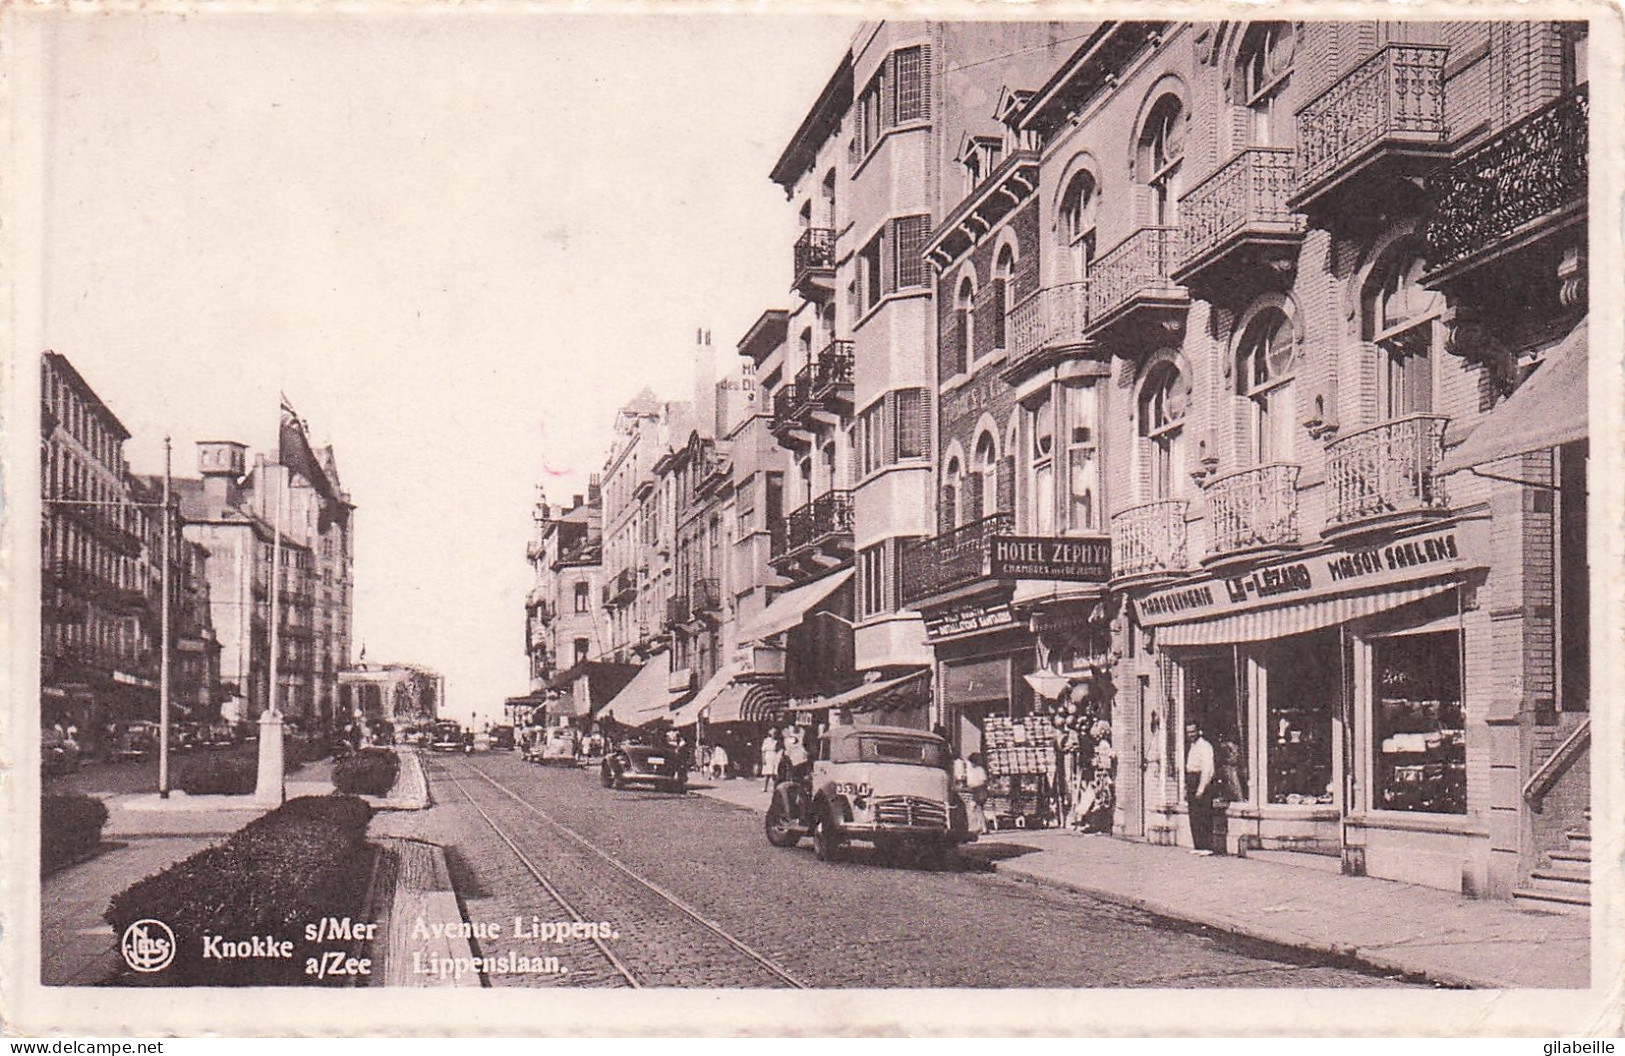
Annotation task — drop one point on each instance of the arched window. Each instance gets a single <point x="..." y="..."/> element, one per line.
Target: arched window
<point x="1266" y="360"/>
<point x="805" y="470"/>
<point x="997" y="301"/>
<point x="1162" y="149"/>
<point x="828" y="199"/>
<point x="964" y="326"/>
<point x="1401" y="318"/>
<point x="1163" y="400"/>
<point x="948" y="502"/>
<point x="981" y="485"/>
<point x="1079" y="207"/>
<point x="1263" y="66"/>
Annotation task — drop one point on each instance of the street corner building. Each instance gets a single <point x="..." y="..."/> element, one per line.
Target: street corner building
<point x="1137" y="378"/>
<point x="101" y="554"/>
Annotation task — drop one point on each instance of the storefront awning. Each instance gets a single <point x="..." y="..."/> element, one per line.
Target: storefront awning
<point x="1287" y="620"/>
<point x="787" y="610"/>
<point x="872" y="696"/>
<point x="1546" y="411"/>
<point x="691" y="711"/>
<point x="643" y="698"/>
<point x="747" y="702"/>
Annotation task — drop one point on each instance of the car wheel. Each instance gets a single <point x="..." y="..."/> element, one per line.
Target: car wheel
<point x="604" y="777"/>
<point x="938" y="856"/>
<point x="681" y="785"/>
<point x="619" y="782"/>
<point x="826" y="841"/>
<point x="780" y="833"/>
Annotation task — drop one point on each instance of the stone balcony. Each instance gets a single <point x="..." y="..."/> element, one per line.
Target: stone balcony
<point x="1046" y="326"/>
<point x="1237" y="229"/>
<point x="1383" y="119"/>
<point x="1386" y="475"/>
<point x="1132" y="294"/>
<point x="1149" y="542"/>
<point x="1252" y="513"/>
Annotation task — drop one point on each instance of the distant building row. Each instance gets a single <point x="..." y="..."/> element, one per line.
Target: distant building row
<point x="101" y="547"/>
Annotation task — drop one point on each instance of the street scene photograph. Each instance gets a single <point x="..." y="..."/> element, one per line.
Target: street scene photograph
<point x="664" y="502"/>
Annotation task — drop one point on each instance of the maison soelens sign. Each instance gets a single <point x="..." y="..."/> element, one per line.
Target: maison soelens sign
<point x="1078" y="559"/>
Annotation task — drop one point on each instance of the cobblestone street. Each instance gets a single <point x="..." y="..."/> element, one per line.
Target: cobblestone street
<point x="697" y="897"/>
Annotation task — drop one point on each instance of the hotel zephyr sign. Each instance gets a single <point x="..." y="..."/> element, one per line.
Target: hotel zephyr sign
<point x="1078" y="559"/>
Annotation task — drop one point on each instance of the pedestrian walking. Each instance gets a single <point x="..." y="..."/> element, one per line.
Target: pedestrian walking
<point x="772" y="751"/>
<point x="1198" y="784"/>
<point x="976" y="789"/>
<point x="719" y="762"/>
<point x="795" y="754"/>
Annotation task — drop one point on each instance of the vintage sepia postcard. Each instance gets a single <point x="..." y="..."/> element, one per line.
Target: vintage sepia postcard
<point x="1041" y="519"/>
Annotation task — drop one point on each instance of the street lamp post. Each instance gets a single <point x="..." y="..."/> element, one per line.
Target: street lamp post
<point x="270" y="787"/>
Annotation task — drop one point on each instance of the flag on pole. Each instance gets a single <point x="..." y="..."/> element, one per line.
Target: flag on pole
<point x="295" y="452"/>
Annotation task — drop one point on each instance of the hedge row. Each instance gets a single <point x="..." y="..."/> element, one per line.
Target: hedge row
<point x="70" y="826"/>
<point x="306" y="860"/>
<point x="236" y="774"/>
<point x="370" y="772"/>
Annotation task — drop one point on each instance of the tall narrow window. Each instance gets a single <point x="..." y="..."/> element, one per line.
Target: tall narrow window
<point x="1264" y="65"/>
<point x="582" y="596"/>
<point x="1400" y="319"/>
<point x="948" y="501"/>
<point x="1264" y="375"/>
<point x="1079" y="207"/>
<point x="1162" y="425"/>
<point x="1041" y="462"/>
<point x="983" y="482"/>
<point x="964" y="325"/>
<point x="1082" y="465"/>
<point x="913" y="83"/>
<point x="1162" y="150"/>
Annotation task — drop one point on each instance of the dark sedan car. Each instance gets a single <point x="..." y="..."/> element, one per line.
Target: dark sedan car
<point x="642" y="764"/>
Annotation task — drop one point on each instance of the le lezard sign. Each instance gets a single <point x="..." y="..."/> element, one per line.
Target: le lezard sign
<point x="1079" y="559"/>
<point x="1335" y="572"/>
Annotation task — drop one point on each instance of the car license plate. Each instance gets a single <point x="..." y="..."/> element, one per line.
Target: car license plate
<point x="657" y="760"/>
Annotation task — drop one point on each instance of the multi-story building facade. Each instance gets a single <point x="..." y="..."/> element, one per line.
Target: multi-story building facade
<point x="195" y="654"/>
<point x="564" y="613"/>
<point x="97" y="663"/>
<point x="1283" y="269"/>
<point x="221" y="510"/>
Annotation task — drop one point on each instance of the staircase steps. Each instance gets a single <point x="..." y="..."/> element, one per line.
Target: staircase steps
<point x="1562" y="883"/>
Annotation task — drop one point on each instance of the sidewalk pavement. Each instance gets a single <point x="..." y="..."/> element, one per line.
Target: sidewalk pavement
<point x="1437" y="935"/>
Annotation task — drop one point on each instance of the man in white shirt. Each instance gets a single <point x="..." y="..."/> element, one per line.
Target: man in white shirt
<point x="1198" y="788"/>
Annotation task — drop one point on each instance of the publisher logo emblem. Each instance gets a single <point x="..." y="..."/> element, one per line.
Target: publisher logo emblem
<point x="148" y="945"/>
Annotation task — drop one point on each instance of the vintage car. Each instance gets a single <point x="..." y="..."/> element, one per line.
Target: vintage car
<point x="884" y="785"/>
<point x="135" y="740"/>
<point x="59" y="753"/>
<point x="557" y="745"/>
<point x="502" y="738"/>
<point x="642" y="764"/>
<point x="219" y="737"/>
<point x="446" y="736"/>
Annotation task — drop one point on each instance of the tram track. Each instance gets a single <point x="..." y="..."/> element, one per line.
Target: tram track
<point x="660" y="939"/>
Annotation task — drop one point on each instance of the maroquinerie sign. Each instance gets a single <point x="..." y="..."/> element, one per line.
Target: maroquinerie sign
<point x="1334" y="572"/>
<point x="1081" y="559"/>
<point x="960" y="619"/>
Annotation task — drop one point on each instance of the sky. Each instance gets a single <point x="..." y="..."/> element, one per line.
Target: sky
<point x="456" y="243"/>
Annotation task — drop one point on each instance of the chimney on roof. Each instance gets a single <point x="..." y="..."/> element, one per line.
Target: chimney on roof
<point x="594" y="490"/>
<point x="705" y="383"/>
<point x="575" y="502"/>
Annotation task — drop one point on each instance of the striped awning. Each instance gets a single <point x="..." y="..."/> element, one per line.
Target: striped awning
<point x="886" y="693"/>
<point x="642" y="699"/>
<point x="747" y="702"/>
<point x="695" y="706"/>
<point x="1288" y="620"/>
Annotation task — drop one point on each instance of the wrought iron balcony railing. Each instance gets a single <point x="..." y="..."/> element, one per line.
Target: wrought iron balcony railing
<point x="1140" y="265"/>
<point x="825" y="383"/>
<point x="1246" y="195"/>
<point x="814" y="255"/>
<point x="1387" y="470"/>
<point x="1049" y="318"/>
<point x="952" y="559"/>
<point x="1149" y="539"/>
<point x="1528" y="171"/>
<point x="1254" y="509"/>
<point x="1396" y="96"/>
<point x="677" y="610"/>
<point x="818" y="521"/>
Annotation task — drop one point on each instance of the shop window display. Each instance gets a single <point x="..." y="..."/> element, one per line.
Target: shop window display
<point x="1302" y="695"/>
<point x="1217" y="700"/>
<point x="1421" y="760"/>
